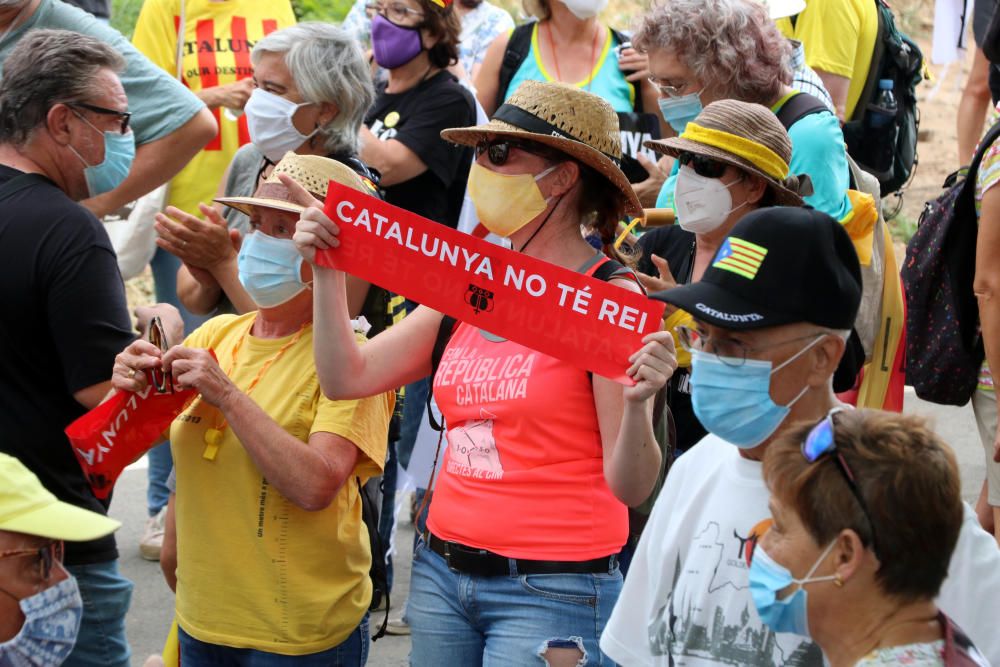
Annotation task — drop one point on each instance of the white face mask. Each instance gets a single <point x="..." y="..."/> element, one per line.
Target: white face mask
<point x="703" y="204"/>
<point x="269" y="119"/>
<point x="585" y="9"/>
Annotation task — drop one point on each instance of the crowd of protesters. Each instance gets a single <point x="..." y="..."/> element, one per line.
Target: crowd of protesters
<point x="735" y="495"/>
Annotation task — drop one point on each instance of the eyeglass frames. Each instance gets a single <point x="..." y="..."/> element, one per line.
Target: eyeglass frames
<point x="498" y="150"/>
<point x="731" y="352"/>
<point x="666" y="89"/>
<point x="47" y="555"/>
<point x="396" y="12"/>
<point x="124" y="115"/>
<point x="821" y="442"/>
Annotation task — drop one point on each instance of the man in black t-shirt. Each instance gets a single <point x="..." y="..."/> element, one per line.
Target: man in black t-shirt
<point x="63" y="137"/>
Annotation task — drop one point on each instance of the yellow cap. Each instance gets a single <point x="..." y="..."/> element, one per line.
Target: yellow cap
<point x="27" y="507"/>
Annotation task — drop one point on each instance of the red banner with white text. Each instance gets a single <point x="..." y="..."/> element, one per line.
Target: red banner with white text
<point x="120" y="430"/>
<point x="585" y="321"/>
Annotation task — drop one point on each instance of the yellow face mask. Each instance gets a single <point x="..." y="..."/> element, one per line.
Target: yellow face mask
<point x="506" y="202"/>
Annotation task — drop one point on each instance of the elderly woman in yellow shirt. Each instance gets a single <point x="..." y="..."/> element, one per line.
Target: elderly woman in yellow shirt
<point x="272" y="554"/>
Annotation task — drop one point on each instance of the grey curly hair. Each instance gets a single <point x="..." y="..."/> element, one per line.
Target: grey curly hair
<point x="731" y="46"/>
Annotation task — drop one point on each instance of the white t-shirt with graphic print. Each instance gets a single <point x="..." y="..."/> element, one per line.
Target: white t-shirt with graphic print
<point x="686" y="599"/>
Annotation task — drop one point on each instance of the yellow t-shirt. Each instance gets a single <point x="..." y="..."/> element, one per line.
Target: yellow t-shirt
<point x="253" y="570"/>
<point x="839" y="38"/>
<point x="218" y="38"/>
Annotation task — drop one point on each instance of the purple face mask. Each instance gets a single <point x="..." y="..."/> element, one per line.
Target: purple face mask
<point x="394" y="45"/>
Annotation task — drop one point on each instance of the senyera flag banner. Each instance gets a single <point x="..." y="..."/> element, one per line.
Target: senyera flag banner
<point x="585" y="321"/>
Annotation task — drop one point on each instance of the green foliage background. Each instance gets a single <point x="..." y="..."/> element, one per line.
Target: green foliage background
<point x="125" y="12"/>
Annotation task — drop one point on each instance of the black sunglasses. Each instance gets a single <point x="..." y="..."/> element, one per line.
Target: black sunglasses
<point x="498" y="150"/>
<point x="703" y="166"/>
<point x="821" y="442"/>
<point x="162" y="380"/>
<point x="124" y="115"/>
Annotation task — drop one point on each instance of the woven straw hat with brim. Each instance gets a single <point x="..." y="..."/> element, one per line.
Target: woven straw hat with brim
<point x="27" y="507"/>
<point x="748" y="136"/>
<point x="573" y="121"/>
<point x="313" y="172"/>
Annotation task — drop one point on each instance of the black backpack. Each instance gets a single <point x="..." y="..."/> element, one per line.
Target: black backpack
<point x="898" y="58"/>
<point x="642" y="126"/>
<point x="944" y="349"/>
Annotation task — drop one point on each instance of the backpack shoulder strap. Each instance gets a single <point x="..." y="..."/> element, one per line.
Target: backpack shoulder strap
<point x="636" y="86"/>
<point x="369" y="515"/>
<point x="984" y="145"/>
<point x="608" y="269"/>
<point x="445" y="331"/>
<point x="799" y="106"/>
<point x="517" y="50"/>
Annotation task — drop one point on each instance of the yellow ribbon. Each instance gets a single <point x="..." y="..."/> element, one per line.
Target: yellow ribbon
<point x="628" y="230"/>
<point x="758" y="154"/>
<point x="860" y="224"/>
<point x="679" y="317"/>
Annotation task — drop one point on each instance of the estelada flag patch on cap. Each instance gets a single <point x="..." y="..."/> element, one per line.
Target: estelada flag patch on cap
<point x="740" y="257"/>
<point x="442" y="3"/>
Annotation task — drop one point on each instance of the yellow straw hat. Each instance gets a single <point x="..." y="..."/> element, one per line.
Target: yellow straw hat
<point x="313" y="172"/>
<point x="571" y="120"/>
<point x="748" y="136"/>
<point x="27" y="507"/>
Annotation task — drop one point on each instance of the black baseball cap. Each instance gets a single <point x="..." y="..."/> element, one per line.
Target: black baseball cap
<point x="779" y="265"/>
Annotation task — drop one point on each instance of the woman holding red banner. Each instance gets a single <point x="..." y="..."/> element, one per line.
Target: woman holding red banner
<point x="529" y="512"/>
<point x="272" y="556"/>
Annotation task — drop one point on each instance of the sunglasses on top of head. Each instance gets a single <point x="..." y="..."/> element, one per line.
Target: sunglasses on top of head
<point x="498" y="150"/>
<point x="821" y="443"/>
<point x="702" y="165"/>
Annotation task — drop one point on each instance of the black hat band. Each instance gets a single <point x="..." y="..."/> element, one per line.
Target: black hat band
<point x="528" y="121"/>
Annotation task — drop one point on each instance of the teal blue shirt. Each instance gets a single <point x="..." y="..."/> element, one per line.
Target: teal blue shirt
<point x="818" y="150"/>
<point x="606" y="80"/>
<point x="160" y="104"/>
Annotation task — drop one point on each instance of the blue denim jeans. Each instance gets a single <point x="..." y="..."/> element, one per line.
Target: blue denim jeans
<point x="352" y="652"/>
<point x="468" y="620"/>
<point x="106" y="597"/>
<point x="160" y="464"/>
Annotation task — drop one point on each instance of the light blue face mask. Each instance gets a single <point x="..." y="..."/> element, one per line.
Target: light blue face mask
<point x="270" y="269"/>
<point x="119" y="151"/>
<point x="679" y="111"/>
<point x="734" y="402"/>
<point x="51" y="624"/>
<point x="767" y="579"/>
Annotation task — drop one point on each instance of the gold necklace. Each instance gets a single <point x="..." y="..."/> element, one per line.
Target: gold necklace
<point x="213" y="436"/>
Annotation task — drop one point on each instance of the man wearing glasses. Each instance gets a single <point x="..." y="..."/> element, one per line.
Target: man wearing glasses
<point x="772" y="312"/>
<point x="64" y="137"/>
<point x="171" y="124"/>
<point x="40" y="605"/>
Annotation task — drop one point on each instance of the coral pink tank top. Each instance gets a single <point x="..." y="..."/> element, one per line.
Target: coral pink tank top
<point x="523" y="474"/>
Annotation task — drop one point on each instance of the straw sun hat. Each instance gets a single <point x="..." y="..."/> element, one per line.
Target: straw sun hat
<point x="745" y="135"/>
<point x="313" y="172"/>
<point x="571" y="120"/>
